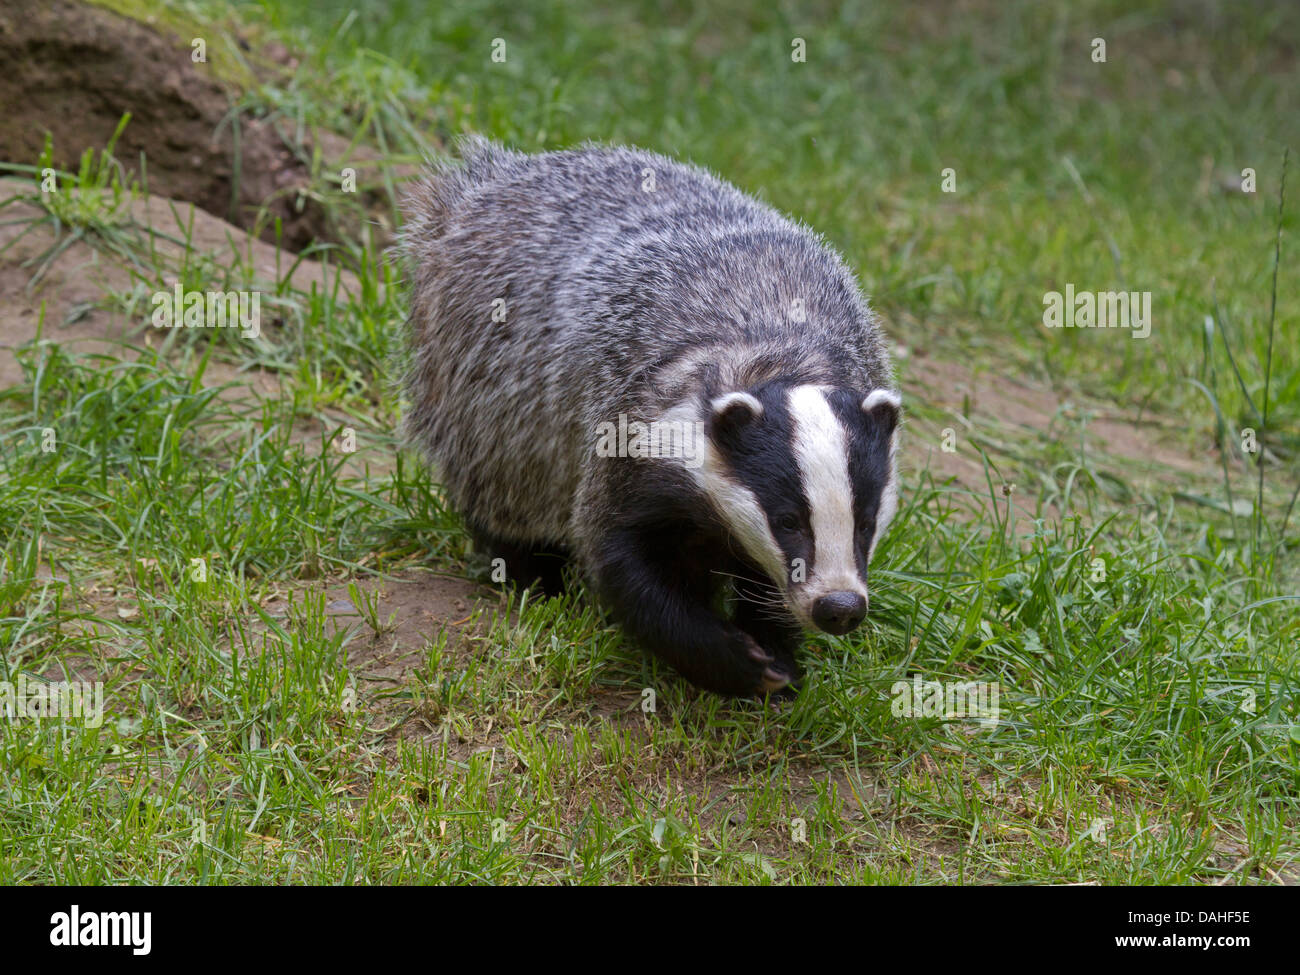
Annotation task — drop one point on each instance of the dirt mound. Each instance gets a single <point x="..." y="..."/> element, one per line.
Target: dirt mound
<point x="72" y="71"/>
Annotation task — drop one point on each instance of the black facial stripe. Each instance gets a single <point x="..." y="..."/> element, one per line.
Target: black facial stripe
<point x="760" y="456"/>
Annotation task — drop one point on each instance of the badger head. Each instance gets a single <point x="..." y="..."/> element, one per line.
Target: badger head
<point x="804" y="479"/>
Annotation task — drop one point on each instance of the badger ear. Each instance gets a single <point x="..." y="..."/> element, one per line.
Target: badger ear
<point x="883" y="406"/>
<point x="733" y="410"/>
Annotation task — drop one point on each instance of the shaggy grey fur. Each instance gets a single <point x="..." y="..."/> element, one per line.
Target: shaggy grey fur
<point x="621" y="296"/>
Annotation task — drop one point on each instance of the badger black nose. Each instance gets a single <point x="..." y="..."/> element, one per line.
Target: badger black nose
<point x="839" y="612"/>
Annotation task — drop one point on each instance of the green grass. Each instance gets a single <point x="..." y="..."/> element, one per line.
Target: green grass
<point x="1145" y="646"/>
<point x="854" y="140"/>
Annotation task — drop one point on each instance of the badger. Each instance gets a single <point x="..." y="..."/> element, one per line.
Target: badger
<point x="621" y="362"/>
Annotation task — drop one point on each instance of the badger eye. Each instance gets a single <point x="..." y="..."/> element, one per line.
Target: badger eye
<point x="788" y="523"/>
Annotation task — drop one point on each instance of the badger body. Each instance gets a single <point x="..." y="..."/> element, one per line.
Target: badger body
<point x="561" y="300"/>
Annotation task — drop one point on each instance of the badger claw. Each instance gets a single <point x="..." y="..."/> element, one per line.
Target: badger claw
<point x="758" y="654"/>
<point x="774" y="680"/>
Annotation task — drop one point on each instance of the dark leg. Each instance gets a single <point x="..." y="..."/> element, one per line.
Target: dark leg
<point x="526" y="565"/>
<point x="663" y="601"/>
<point x="760" y="612"/>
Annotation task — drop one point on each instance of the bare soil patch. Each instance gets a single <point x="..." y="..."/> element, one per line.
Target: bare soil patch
<point x="414" y="607"/>
<point x="1012" y="419"/>
<point x="73" y="294"/>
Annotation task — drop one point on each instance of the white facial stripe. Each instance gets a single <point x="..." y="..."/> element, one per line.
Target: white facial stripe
<point x="742" y="514"/>
<point x="889" y="494"/>
<point x="888" y="498"/>
<point x="821" y="450"/>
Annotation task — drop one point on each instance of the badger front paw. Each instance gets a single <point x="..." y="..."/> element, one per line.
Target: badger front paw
<point x="773" y="674"/>
<point x="735" y="664"/>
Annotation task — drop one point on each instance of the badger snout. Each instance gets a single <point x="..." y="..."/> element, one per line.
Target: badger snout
<point x="839" y="612"/>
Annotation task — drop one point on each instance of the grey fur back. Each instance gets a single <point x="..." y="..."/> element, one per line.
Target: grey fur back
<point x="618" y="299"/>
